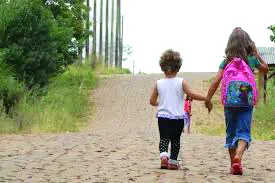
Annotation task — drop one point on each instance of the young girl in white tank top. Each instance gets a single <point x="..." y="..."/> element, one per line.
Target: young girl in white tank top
<point x="168" y="96"/>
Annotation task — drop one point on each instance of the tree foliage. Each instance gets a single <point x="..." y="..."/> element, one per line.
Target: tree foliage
<point x="38" y="39"/>
<point x="272" y="28"/>
<point x="71" y="14"/>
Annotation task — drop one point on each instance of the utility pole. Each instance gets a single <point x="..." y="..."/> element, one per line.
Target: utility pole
<point x="121" y="43"/>
<point x="117" y="58"/>
<point x="107" y="34"/>
<point x="94" y="38"/>
<point x="112" y="35"/>
<point x="87" y="48"/>
<point x="133" y="67"/>
<point x="100" y="30"/>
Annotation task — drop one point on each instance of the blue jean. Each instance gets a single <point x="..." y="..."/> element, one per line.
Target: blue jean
<point x="238" y="125"/>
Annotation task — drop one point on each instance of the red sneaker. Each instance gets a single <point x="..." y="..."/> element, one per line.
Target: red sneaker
<point x="164" y="162"/>
<point x="236" y="167"/>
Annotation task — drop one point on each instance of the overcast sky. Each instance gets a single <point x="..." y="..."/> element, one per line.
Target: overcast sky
<point x="198" y="29"/>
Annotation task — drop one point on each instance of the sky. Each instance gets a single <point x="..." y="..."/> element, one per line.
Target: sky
<point x="198" y="29"/>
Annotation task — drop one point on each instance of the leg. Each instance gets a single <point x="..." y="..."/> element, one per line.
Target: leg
<point x="242" y="139"/>
<point x="231" y="125"/>
<point x="175" y="134"/>
<point x="164" y="142"/>
<point x="189" y="124"/>
<point x="164" y="135"/>
<point x="232" y="153"/>
<point x="243" y="131"/>
<point x="175" y="148"/>
<point x="163" y="145"/>
<point x="164" y="156"/>
<point x="176" y="129"/>
<point x="242" y="145"/>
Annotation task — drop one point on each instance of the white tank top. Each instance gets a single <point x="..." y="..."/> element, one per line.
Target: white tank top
<point x="171" y="98"/>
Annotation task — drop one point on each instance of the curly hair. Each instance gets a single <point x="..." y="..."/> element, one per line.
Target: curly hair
<point x="170" y="61"/>
<point x="239" y="45"/>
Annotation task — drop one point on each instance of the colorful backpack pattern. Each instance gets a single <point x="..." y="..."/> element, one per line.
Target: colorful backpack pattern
<point x="238" y="88"/>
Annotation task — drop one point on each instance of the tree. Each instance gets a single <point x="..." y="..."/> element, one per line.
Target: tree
<point x="272" y="28"/>
<point x="127" y="51"/>
<point x="32" y="42"/>
<point x="71" y="14"/>
<point x="121" y="44"/>
<point x="107" y="34"/>
<point x="117" y="58"/>
<point x="101" y="29"/>
<point x="87" y="48"/>
<point x="112" y="35"/>
<point x="94" y="38"/>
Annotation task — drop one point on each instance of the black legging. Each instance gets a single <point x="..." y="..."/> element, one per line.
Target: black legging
<point x="170" y="130"/>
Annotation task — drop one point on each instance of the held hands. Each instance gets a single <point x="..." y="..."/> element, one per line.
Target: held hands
<point x="209" y="106"/>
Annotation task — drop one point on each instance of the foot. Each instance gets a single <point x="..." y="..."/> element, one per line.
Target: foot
<point x="164" y="162"/>
<point x="173" y="165"/>
<point x="236" y="167"/>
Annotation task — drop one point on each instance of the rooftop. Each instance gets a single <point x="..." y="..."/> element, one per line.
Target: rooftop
<point x="268" y="54"/>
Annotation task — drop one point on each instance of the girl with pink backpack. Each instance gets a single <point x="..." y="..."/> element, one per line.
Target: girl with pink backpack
<point x="238" y="93"/>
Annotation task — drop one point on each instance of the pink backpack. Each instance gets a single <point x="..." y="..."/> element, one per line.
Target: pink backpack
<point x="238" y="88"/>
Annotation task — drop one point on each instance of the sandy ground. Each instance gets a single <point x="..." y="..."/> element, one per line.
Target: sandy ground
<point x="121" y="144"/>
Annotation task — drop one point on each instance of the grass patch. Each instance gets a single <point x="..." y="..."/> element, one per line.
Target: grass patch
<point x="7" y="125"/>
<point x="65" y="106"/>
<point x="101" y="70"/>
<point x="214" y="130"/>
<point x="264" y="116"/>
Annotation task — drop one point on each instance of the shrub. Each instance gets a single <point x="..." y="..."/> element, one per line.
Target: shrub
<point x="31" y="41"/>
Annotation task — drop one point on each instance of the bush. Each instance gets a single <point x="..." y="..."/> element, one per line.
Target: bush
<point x="31" y="41"/>
<point x="10" y="90"/>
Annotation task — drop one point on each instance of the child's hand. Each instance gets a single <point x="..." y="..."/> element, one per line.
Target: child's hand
<point x="209" y="106"/>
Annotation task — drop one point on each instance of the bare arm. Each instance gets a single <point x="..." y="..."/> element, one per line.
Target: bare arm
<point x="214" y="85"/>
<point x="263" y="67"/>
<point x="154" y="96"/>
<point x="194" y="95"/>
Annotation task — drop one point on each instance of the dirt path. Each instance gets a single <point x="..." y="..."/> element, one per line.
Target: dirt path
<point x="121" y="145"/>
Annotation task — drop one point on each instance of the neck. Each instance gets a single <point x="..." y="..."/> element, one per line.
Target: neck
<point x="170" y="74"/>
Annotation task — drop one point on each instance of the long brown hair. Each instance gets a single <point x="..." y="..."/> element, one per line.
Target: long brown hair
<point x="239" y="45"/>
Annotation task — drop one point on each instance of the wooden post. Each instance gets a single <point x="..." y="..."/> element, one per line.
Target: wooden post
<point x="107" y="35"/>
<point x="112" y="35"/>
<point x="265" y="81"/>
<point x="101" y="30"/>
<point x="260" y="84"/>
<point x="94" y="38"/>
<point x="117" y="34"/>
<point x="87" y="47"/>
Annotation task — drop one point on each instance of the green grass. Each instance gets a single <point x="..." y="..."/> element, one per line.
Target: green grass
<point x="61" y="107"/>
<point x="214" y="130"/>
<point x="7" y="125"/>
<point x="64" y="108"/>
<point x="264" y="116"/>
<point x="101" y="70"/>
